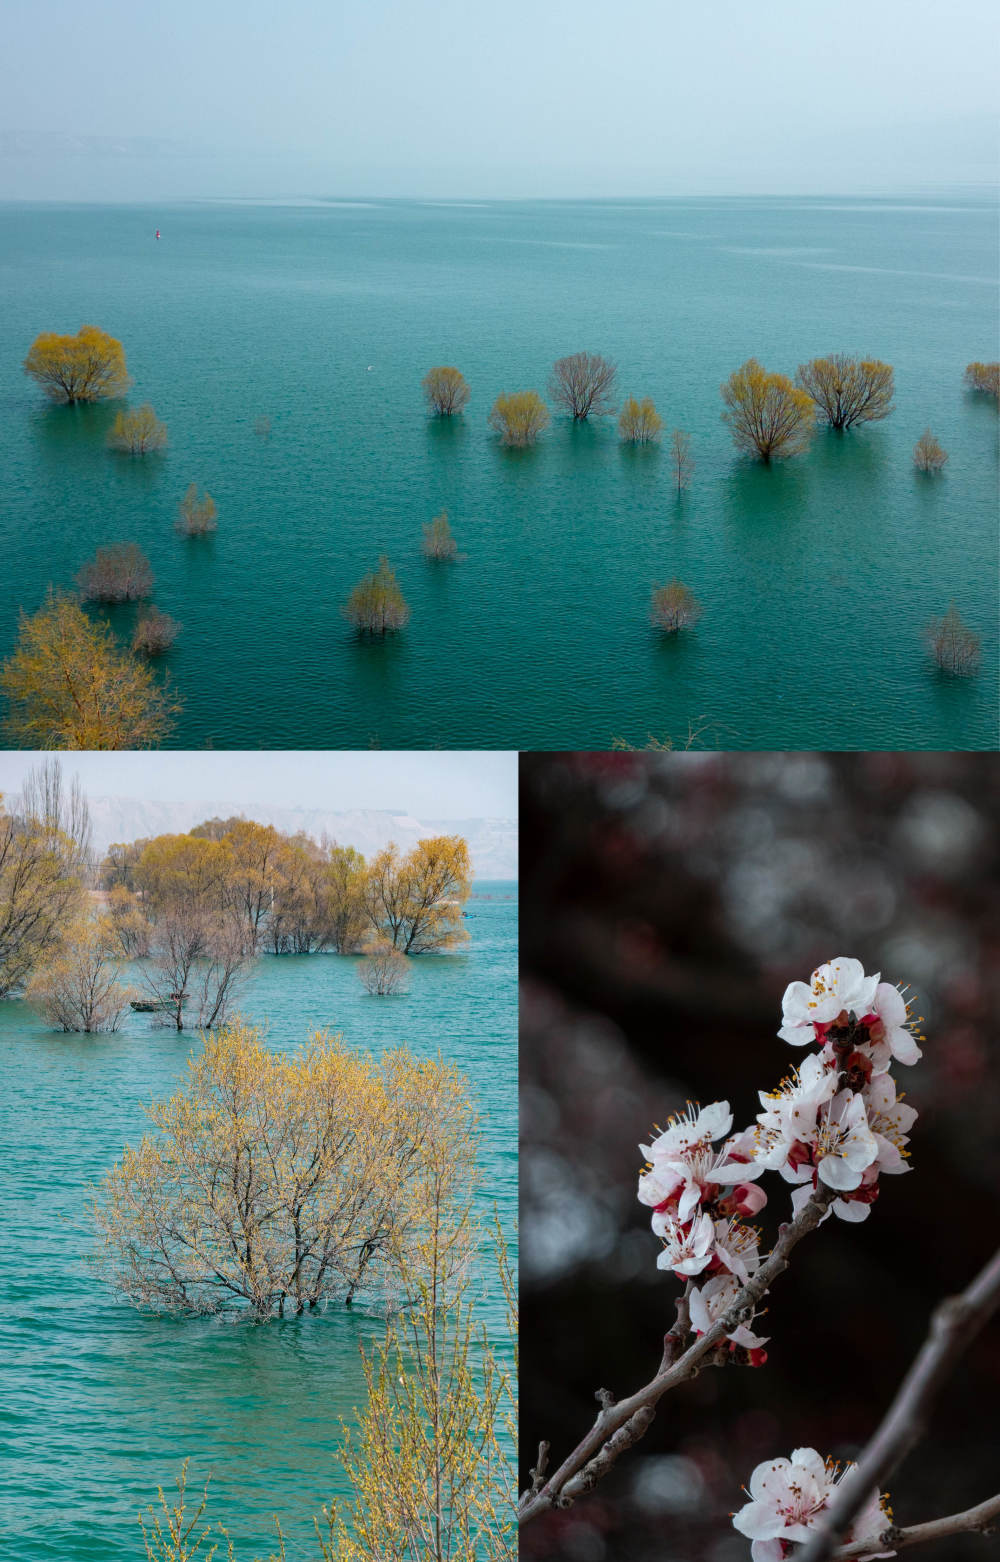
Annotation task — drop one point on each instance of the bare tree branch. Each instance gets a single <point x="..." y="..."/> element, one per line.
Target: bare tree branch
<point x="972" y="1521"/>
<point x="954" y="1326"/>
<point x="620" y="1425"/>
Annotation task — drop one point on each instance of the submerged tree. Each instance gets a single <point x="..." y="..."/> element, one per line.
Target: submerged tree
<point x="953" y="645"/>
<point x="196" y="516"/>
<point x="119" y="573"/>
<point x="416" y="900"/>
<point x="155" y="632"/>
<point x="929" y="455"/>
<point x="69" y="685"/>
<point x="439" y="543"/>
<point x="848" y="390"/>
<point x="79" y="988"/>
<point x="639" y="422"/>
<point x="276" y="1182"/>
<point x="446" y="390"/>
<point x="767" y="415"/>
<point x="519" y="417"/>
<point x="89" y="366"/>
<point x="383" y="969"/>
<point x="674" y="607"/>
<point x="138" y="432"/>
<point x="984" y="377"/>
<point x="377" y="605"/>
<point x="681" y="459"/>
<point x="583" y="384"/>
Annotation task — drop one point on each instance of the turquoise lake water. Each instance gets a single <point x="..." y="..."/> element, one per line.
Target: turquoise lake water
<point x="817" y="577"/>
<point x="99" y="1402"/>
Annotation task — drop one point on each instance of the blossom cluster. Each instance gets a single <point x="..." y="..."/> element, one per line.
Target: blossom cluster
<point x="788" y="1497"/>
<point x="836" y="1120"/>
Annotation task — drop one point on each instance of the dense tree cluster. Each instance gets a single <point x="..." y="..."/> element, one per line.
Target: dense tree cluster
<point x="197" y="908"/>
<point x="44" y="845"/>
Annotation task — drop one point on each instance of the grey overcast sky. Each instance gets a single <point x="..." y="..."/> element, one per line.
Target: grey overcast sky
<point x="434" y="785"/>
<point x="452" y="98"/>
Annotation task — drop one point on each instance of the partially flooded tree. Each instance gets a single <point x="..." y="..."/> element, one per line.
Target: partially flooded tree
<point x="767" y="415"/>
<point x="196" y="515"/>
<point x="681" y="459"/>
<point x="519" y="417"/>
<point x="44" y="846"/>
<point x="138" y="432"/>
<point x="929" y="455"/>
<point x="674" y="607"/>
<point x="383" y="969"/>
<point x="119" y="573"/>
<point x="848" y="390"/>
<point x="639" y="423"/>
<point x="69" y="685"/>
<point x="79" y="988"/>
<point x="155" y="632"/>
<point x="274" y="1183"/>
<point x="953" y="645"/>
<point x="583" y="384"/>
<point x="195" y="965"/>
<point x="416" y="900"/>
<point x="377" y="606"/>
<point x="262" y="427"/>
<point x="446" y="390"/>
<point x="89" y="366"/>
<point x="983" y="377"/>
<point x="439" y="542"/>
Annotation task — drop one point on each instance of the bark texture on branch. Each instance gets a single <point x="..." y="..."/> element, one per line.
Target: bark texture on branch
<point x="978" y="1520"/>
<point x="620" y="1425"/>
<point x="954" y="1326"/>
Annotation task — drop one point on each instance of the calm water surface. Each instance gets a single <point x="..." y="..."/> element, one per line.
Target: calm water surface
<point x="816" y="577"/>
<point x="99" y="1402"/>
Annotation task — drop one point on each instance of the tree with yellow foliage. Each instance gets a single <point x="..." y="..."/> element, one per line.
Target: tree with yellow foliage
<point x="44" y="844"/>
<point x="377" y="605"/>
<point x="639" y="423"/>
<point x="519" y="417"/>
<point x="79" y="987"/>
<point x="89" y="366"/>
<point x="138" y="432"/>
<point x="416" y="900"/>
<point x="69" y="685"/>
<point x="767" y="415"/>
<point x="674" y="606"/>
<point x="983" y="377"/>
<point x="929" y="455"/>
<point x="431" y="1462"/>
<point x="848" y="390"/>
<point x="439" y="540"/>
<point x="196" y="517"/>
<point x="446" y="389"/>
<point x="272" y="1183"/>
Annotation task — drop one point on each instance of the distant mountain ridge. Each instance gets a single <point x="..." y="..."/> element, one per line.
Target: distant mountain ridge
<point x="492" y="842"/>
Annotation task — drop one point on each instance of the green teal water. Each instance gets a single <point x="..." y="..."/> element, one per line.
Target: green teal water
<point x="98" y="1402"/>
<point x="817" y="577"/>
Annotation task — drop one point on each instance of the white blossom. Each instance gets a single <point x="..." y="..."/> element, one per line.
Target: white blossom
<point x="707" y="1304"/>
<point x="787" y="1498"/>
<point x="688" y="1246"/>
<point x="840" y="985"/>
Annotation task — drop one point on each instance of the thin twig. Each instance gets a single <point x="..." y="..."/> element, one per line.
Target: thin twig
<point x="594" y="1454"/>
<point x="953" y="1327"/>
<point x="973" y="1520"/>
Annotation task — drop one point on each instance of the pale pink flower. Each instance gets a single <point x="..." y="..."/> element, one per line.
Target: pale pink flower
<point x="707" y="1303"/>
<point x="788" y="1497"/>
<point x="685" y="1163"/>
<point x="839" y="985"/>
<point x="890" y="1120"/>
<point x="889" y="1007"/>
<point x="844" y="1144"/>
<point x="688" y="1245"/>
<point x="737" y="1248"/>
<point x="790" y="1114"/>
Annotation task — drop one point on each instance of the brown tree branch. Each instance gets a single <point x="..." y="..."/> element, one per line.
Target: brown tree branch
<point x="620" y="1425"/>
<point x="954" y="1326"/>
<point x="972" y="1521"/>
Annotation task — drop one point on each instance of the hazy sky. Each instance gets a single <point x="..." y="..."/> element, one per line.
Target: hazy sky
<point x="429" y="785"/>
<point x="457" y="98"/>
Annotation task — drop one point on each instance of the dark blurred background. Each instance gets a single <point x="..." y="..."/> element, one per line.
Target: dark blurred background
<point x="666" y="900"/>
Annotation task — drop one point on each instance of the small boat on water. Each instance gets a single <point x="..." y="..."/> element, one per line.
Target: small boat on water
<point x="157" y="233"/>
